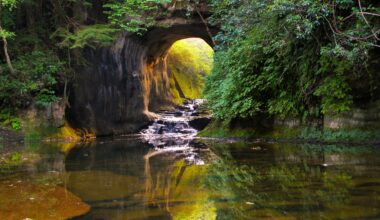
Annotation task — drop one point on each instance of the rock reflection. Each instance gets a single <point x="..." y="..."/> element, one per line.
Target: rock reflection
<point x="33" y="186"/>
<point x="22" y="199"/>
<point x="131" y="179"/>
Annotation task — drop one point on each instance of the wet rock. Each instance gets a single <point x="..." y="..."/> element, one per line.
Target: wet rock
<point x="178" y="113"/>
<point x="198" y="144"/>
<point x="187" y="102"/>
<point x="186" y="131"/>
<point x="200" y="123"/>
<point x="27" y="200"/>
<point x="172" y="128"/>
<point x="195" y="114"/>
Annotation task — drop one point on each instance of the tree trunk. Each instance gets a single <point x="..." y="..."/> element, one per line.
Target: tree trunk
<point x="7" y="58"/>
<point x="5" y="46"/>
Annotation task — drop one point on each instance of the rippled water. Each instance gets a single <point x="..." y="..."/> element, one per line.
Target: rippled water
<point x="125" y="179"/>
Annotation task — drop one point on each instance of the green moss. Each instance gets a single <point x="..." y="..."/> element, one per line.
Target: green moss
<point x="284" y="133"/>
<point x="340" y="134"/>
<point x="11" y="161"/>
<point x="35" y="130"/>
<point x="220" y="129"/>
<point x="174" y="91"/>
<point x="189" y="62"/>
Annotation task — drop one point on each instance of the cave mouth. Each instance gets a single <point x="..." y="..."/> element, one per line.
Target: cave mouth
<point x="189" y="62"/>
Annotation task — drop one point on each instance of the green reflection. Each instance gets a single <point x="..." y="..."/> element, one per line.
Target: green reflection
<point x="301" y="190"/>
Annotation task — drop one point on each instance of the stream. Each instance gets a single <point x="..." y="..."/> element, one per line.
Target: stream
<point x="165" y="172"/>
<point x="171" y="132"/>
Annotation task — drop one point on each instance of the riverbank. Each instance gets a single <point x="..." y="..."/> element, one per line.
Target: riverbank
<point x="218" y="130"/>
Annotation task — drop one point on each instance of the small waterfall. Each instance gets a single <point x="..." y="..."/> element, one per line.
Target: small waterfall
<point x="171" y="131"/>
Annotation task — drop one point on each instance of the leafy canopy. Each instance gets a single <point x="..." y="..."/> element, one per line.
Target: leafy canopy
<point x="134" y="16"/>
<point x="288" y="57"/>
<point x="10" y="4"/>
<point x="7" y="4"/>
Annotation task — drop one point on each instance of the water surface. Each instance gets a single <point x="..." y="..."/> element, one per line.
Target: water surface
<point x="127" y="178"/>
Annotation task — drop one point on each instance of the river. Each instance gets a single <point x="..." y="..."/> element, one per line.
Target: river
<point x="135" y="177"/>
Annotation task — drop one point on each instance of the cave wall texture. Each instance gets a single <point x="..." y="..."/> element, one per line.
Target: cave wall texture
<point x="121" y="87"/>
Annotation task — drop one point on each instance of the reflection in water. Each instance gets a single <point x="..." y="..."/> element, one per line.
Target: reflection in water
<point x="33" y="187"/>
<point x="129" y="179"/>
<point x="298" y="184"/>
<point x="22" y="199"/>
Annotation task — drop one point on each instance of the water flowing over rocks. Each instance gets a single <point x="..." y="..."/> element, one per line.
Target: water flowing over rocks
<point x="172" y="132"/>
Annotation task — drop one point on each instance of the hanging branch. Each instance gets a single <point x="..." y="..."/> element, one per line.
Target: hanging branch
<point x="366" y="21"/>
<point x="204" y="21"/>
<point x="334" y="27"/>
<point x="206" y="25"/>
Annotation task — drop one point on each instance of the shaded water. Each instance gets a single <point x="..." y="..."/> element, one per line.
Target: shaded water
<point x="238" y="181"/>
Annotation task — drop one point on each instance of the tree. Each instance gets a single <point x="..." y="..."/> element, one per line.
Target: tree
<point x="298" y="58"/>
<point x="4" y="34"/>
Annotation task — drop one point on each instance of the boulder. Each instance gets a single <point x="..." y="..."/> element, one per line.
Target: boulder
<point x="199" y="123"/>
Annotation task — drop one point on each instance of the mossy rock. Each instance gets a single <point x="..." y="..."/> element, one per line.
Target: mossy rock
<point x="220" y="129"/>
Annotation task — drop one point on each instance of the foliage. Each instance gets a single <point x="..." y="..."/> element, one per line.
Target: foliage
<point x="189" y="61"/>
<point x="45" y="97"/>
<point x="37" y="74"/>
<point x="6" y="34"/>
<point x="288" y="58"/>
<point x="339" y="135"/>
<point x="134" y="16"/>
<point x="8" y="3"/>
<point x="92" y="36"/>
<point x="6" y="118"/>
<point x="9" y="161"/>
<point x="16" y="157"/>
<point x="222" y="129"/>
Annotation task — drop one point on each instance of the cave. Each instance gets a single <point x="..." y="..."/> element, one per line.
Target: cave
<point x="189" y="62"/>
<point x="125" y="83"/>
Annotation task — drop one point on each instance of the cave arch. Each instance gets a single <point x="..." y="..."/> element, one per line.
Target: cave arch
<point x="126" y="82"/>
<point x="159" y="40"/>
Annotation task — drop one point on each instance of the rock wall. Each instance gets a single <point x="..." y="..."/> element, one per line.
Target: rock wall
<point x="108" y="96"/>
<point x="122" y="85"/>
<point x="367" y="118"/>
